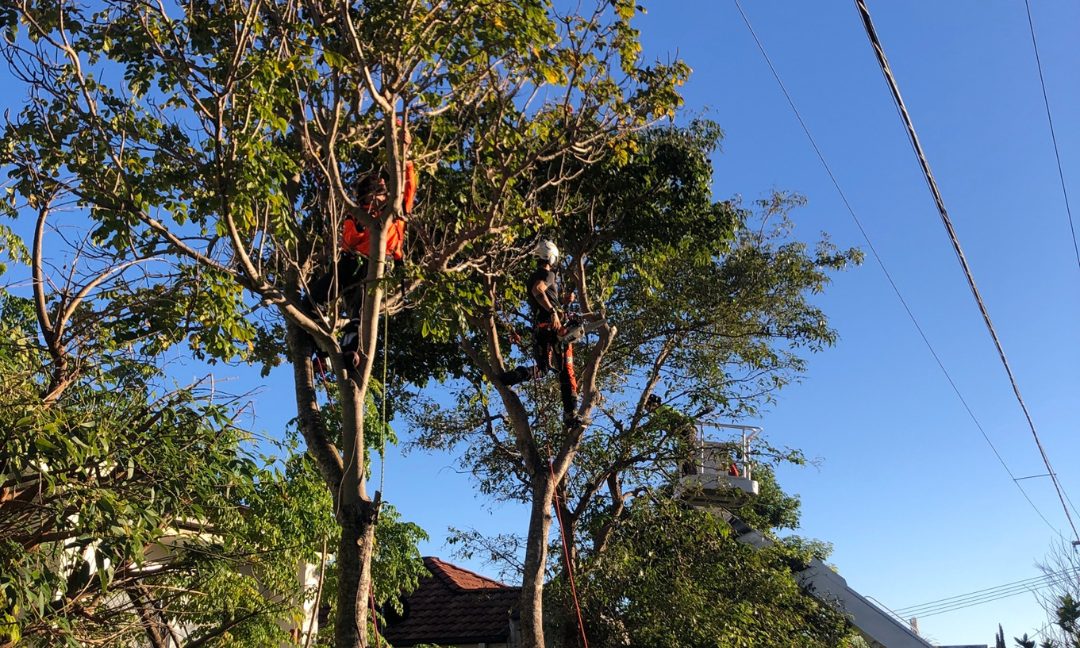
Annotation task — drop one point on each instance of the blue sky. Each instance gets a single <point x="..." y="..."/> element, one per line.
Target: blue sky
<point x="913" y="499"/>
<point x="909" y="493"/>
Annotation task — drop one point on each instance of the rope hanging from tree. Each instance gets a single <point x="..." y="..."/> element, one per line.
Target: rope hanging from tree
<point x="566" y="553"/>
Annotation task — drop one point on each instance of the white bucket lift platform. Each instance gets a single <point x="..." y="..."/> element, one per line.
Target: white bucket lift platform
<point x="721" y="473"/>
<point x="719" y="478"/>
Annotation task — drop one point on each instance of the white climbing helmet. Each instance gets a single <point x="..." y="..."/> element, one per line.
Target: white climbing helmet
<point x="546" y="251"/>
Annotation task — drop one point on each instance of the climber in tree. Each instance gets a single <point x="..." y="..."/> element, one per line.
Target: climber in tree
<point x="542" y="293"/>
<point x="352" y="261"/>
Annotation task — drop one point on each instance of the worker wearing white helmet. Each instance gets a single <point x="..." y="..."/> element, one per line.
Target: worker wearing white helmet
<point x="543" y="297"/>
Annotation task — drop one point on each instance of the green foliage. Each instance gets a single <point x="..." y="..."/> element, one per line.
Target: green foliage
<point x="722" y="295"/>
<point x="714" y="306"/>
<point x="1068" y="614"/>
<point x="772" y="508"/>
<point x="674" y="576"/>
<point x="228" y="138"/>
<point x="119" y="492"/>
<point x="1061" y="601"/>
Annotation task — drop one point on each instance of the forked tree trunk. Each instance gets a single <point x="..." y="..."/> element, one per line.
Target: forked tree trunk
<point x="356" y="512"/>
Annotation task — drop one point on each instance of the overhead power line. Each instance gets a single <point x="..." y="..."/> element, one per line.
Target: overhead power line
<point x="987" y="595"/>
<point x="881" y="263"/>
<point x="883" y="63"/>
<point x="1053" y="134"/>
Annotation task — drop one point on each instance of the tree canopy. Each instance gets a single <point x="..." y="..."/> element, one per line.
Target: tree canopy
<point x="216" y="149"/>
<point x="713" y="306"/>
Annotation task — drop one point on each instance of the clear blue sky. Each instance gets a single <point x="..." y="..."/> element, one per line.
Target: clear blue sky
<point x="913" y="499"/>
<point x="909" y="493"/>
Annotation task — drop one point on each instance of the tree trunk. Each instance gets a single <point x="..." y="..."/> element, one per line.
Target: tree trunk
<point x="532" y="582"/>
<point x="326" y="455"/>
<point x="571" y="631"/>
<point x="343" y="472"/>
<point x="354" y="573"/>
<point x="356" y="512"/>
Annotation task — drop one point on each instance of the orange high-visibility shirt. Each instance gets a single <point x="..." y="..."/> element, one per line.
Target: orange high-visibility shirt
<point x="409" y="194"/>
<point x="355" y="240"/>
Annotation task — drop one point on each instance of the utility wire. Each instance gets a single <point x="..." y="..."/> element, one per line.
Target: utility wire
<point x="957" y="608"/>
<point x="1031" y="589"/>
<point x="883" y="63"/>
<point x="1053" y="134"/>
<point x="881" y="264"/>
<point x="989" y="594"/>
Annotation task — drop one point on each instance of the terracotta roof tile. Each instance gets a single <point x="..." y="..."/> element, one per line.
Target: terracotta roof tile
<point x="454" y="605"/>
<point x="459" y="577"/>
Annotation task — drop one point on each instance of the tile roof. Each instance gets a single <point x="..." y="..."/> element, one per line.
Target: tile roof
<point x="459" y="578"/>
<point x="454" y="606"/>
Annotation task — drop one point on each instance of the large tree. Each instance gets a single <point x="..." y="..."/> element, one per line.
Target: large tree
<point x="675" y="577"/>
<point x="130" y="506"/>
<point x="229" y="135"/>
<point x="713" y="305"/>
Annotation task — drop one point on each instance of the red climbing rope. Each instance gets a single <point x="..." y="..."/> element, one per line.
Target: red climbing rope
<point x="566" y="556"/>
<point x="374" y="617"/>
<point x="321" y="370"/>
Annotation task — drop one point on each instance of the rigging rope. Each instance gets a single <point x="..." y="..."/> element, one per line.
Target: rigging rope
<point x="383" y="428"/>
<point x="566" y="552"/>
<point x="374" y="616"/>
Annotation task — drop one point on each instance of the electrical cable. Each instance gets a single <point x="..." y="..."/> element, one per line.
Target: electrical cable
<point x="881" y="264"/>
<point x="974" y="603"/>
<point x="1053" y="134"/>
<point x="1023" y="581"/>
<point x="989" y="594"/>
<point x="944" y="609"/>
<point x="883" y="63"/>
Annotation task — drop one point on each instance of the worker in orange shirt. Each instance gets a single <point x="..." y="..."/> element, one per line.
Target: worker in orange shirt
<point x="352" y="261"/>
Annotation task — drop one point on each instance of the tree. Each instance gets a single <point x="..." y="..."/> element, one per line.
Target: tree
<point x="1062" y="599"/>
<point x="121" y="499"/>
<point x="124" y="507"/>
<point x="674" y="576"/>
<point x="228" y="136"/>
<point x="1024" y="642"/>
<point x="711" y="305"/>
<point x="129" y="507"/>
